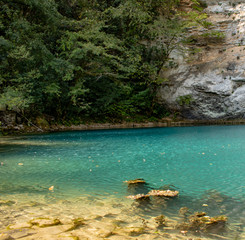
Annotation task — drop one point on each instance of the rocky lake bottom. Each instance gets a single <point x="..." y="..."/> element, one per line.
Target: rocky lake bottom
<point x="90" y="217"/>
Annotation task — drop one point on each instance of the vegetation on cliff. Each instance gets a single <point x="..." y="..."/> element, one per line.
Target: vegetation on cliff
<point x="96" y="59"/>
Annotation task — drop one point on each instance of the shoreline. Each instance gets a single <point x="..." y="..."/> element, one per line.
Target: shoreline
<point x="23" y="129"/>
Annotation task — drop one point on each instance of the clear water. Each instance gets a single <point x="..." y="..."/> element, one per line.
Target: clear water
<point x="203" y="163"/>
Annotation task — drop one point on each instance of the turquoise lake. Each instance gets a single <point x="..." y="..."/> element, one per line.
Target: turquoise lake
<point x="203" y="163"/>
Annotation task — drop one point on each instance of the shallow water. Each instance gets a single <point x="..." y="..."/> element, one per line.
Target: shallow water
<point x="205" y="164"/>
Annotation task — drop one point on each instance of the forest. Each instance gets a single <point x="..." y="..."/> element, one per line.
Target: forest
<point x="97" y="60"/>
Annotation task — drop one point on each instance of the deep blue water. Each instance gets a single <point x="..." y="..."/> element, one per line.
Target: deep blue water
<point x="203" y="163"/>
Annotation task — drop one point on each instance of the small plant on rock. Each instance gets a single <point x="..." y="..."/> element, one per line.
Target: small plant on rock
<point x="185" y="100"/>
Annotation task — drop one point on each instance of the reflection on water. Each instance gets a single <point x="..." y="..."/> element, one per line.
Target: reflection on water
<point x="87" y="171"/>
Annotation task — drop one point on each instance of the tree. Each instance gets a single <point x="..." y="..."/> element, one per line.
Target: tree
<point x="94" y="58"/>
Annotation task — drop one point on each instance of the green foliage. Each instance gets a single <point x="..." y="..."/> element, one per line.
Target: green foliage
<point x="217" y="35"/>
<point x="15" y="99"/>
<point x="185" y="100"/>
<point x="92" y="58"/>
<point x="202" y="4"/>
<point x="210" y="37"/>
<point x="206" y="24"/>
<point x="195" y="51"/>
<point x="196" y="18"/>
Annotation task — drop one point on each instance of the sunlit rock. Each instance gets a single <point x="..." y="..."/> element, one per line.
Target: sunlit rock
<point x="136" y="181"/>
<point x="163" y="193"/>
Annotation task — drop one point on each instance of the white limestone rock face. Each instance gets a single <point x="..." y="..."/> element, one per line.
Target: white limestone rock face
<point x="211" y="84"/>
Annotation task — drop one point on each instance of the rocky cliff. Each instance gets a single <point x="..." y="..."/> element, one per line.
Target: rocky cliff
<point x="209" y="80"/>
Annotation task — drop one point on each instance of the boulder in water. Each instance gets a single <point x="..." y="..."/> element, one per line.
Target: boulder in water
<point x="136" y="181"/>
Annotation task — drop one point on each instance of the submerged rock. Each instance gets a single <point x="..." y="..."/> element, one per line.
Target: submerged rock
<point x="200" y="222"/>
<point x="22" y="233"/>
<point x="76" y="223"/>
<point x="184" y="211"/>
<point x="45" y="222"/>
<point x="160" y="220"/>
<point x="4" y="236"/>
<point x="18" y="225"/>
<point x="163" y="193"/>
<point x="213" y="197"/>
<point x="6" y="203"/>
<point x="132" y="231"/>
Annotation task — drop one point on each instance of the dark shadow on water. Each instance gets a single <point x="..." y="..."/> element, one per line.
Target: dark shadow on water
<point x="138" y="188"/>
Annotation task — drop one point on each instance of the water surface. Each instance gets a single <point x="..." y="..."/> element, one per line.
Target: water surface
<point x="203" y="163"/>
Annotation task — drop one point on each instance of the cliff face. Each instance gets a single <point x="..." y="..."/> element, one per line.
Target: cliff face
<point x="209" y="81"/>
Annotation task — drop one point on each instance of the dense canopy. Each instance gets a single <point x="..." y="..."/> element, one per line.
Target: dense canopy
<point x="96" y="59"/>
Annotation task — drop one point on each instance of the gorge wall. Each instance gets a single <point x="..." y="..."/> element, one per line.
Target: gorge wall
<point x="209" y="80"/>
